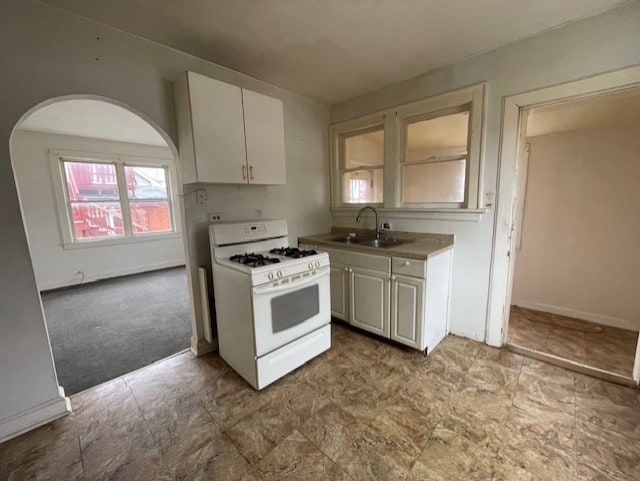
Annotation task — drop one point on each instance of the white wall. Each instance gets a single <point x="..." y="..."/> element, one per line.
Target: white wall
<point x="54" y="265"/>
<point x="580" y="233"/>
<point x="600" y="44"/>
<point x="47" y="53"/>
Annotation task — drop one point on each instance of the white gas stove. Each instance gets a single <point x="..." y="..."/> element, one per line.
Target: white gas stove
<point x="272" y="302"/>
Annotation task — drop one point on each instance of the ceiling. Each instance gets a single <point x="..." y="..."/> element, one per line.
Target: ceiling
<point x="608" y="110"/>
<point x="94" y="119"/>
<point x="332" y="50"/>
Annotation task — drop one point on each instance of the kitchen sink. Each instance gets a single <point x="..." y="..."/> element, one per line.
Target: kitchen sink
<point x="384" y="242"/>
<point x="352" y="239"/>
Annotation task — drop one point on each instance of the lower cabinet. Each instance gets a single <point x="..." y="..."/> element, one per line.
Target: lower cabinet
<point x="407" y="310"/>
<point x="405" y="300"/>
<point x="339" y="280"/>
<point x="369" y="300"/>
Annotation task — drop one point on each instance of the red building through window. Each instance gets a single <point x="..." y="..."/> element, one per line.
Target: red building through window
<point x="97" y="204"/>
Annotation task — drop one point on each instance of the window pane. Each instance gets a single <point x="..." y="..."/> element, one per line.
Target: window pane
<point x="435" y="182"/>
<point x="362" y="186"/>
<point x="89" y="181"/>
<point x="147" y="191"/>
<point x="364" y="150"/>
<point x="150" y="216"/>
<point x="146" y="182"/>
<point x="97" y="219"/>
<point x="439" y="137"/>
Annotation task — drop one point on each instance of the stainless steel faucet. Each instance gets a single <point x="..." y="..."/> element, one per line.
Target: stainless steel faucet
<point x="359" y="217"/>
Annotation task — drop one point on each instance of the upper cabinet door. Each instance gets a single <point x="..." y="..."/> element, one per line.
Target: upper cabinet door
<point x="264" y="132"/>
<point x="218" y="130"/>
<point x="211" y="130"/>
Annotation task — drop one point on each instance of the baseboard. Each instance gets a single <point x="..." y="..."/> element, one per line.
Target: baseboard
<point x="37" y="416"/>
<point x="586" y="316"/>
<point x="201" y="347"/>
<point x="127" y="271"/>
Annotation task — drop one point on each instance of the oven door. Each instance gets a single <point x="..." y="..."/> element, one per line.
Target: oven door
<point x="285" y="312"/>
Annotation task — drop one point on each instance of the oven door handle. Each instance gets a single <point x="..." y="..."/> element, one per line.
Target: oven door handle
<point x="322" y="272"/>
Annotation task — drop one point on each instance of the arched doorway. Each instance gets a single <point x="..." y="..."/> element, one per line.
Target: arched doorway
<point x="100" y="195"/>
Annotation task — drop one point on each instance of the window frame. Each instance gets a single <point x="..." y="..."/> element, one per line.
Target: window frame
<point x="338" y="134"/>
<point x="57" y="159"/>
<point x="395" y="121"/>
<point x="405" y="121"/>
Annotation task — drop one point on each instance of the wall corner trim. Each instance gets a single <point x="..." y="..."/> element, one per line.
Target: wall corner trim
<point x="202" y="347"/>
<point x="35" y="417"/>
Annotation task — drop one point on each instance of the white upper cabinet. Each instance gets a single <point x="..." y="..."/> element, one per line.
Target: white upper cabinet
<point x="264" y="131"/>
<point x="228" y="135"/>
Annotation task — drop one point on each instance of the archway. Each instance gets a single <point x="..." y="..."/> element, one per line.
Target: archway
<point x="126" y="228"/>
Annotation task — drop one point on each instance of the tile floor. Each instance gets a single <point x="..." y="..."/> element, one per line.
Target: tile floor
<point x="364" y="410"/>
<point x="603" y="347"/>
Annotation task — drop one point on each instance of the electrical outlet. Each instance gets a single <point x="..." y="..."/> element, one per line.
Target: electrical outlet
<point x="201" y="196"/>
<point x="215" y="216"/>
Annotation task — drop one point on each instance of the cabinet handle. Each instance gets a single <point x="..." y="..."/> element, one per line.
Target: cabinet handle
<point x="346" y="269"/>
<point x="405" y="263"/>
<point x="393" y="278"/>
<point x="251" y="172"/>
<point x="244" y="172"/>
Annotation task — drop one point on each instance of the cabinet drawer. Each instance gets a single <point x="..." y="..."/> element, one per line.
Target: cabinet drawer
<point x="364" y="261"/>
<point x="409" y="267"/>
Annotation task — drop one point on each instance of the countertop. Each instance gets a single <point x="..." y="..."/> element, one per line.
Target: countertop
<point x="421" y="247"/>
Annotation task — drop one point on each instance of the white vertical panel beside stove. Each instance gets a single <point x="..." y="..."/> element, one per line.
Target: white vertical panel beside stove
<point x="274" y="314"/>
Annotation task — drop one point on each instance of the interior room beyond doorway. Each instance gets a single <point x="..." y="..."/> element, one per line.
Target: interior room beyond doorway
<point x="574" y="295"/>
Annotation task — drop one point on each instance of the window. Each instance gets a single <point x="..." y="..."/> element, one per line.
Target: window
<point x="112" y="198"/>
<point x="362" y="166"/>
<point x="432" y="160"/>
<point x="435" y="159"/>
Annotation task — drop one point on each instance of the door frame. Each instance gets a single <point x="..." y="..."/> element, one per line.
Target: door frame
<point x="504" y="241"/>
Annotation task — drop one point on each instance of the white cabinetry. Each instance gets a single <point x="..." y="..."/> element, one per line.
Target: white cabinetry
<point x="370" y="300"/>
<point x="264" y="130"/>
<point x="407" y="313"/>
<point x="228" y="135"/>
<point x="339" y="281"/>
<point x="406" y="300"/>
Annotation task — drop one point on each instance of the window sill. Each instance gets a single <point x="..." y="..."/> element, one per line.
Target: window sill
<point x="466" y="215"/>
<point x="119" y="241"/>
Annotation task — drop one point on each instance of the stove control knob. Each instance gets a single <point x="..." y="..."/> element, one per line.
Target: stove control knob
<point x="317" y="263"/>
<point x="310" y="265"/>
<point x="279" y="273"/>
<point x="270" y="276"/>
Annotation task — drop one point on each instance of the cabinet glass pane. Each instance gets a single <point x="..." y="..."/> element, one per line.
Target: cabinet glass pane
<point x="436" y="182"/>
<point x="364" y="150"/>
<point x="362" y="186"/>
<point x="439" y="137"/>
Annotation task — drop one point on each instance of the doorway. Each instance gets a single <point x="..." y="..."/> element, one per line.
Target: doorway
<point x="99" y="193"/>
<point x="573" y="191"/>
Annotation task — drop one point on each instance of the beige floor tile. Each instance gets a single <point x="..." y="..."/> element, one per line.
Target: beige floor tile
<point x="450" y="456"/>
<point x="603" y="454"/>
<point x="365" y="410"/>
<point x="296" y="458"/>
<point x="602" y="347"/>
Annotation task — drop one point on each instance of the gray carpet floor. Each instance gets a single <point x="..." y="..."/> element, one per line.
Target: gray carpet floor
<point x="105" y="329"/>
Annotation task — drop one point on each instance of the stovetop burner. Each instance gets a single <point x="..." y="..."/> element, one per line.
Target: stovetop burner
<point x="254" y="260"/>
<point x="293" y="252"/>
